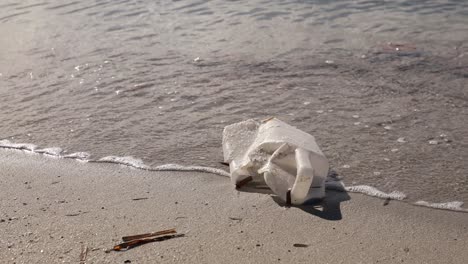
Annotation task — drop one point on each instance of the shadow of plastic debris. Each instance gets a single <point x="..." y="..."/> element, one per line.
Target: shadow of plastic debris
<point x="327" y="208"/>
<point x="255" y="187"/>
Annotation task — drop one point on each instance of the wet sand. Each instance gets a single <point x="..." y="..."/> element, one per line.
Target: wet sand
<point x="52" y="208"/>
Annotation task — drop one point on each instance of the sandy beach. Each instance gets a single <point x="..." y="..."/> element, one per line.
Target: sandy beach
<point x="52" y="209"/>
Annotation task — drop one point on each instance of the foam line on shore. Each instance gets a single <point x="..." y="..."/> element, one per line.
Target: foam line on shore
<point x="372" y="191"/>
<point x="331" y="183"/>
<point x="451" y="206"/>
<point x="177" y="167"/>
<point x="54" y="151"/>
<point x="20" y="146"/>
<point x="82" y="156"/>
<point x="127" y="161"/>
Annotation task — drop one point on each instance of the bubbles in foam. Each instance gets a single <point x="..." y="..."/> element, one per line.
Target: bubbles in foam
<point x="22" y="146"/>
<point x="128" y="161"/>
<point x="54" y="151"/>
<point x="454" y="206"/>
<point x="176" y="167"/>
<point x="332" y="183"/>
<point x="78" y="155"/>
<point x="371" y="191"/>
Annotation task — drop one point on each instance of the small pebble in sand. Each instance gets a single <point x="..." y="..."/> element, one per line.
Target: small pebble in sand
<point x="401" y="140"/>
<point x="346" y="166"/>
<point x="355" y="116"/>
<point x="433" y="142"/>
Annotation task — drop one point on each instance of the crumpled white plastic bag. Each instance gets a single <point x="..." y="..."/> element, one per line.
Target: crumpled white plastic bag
<point x="287" y="159"/>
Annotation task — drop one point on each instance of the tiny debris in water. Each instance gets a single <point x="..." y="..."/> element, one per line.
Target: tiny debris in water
<point x="401" y="140"/>
<point x="433" y="142"/>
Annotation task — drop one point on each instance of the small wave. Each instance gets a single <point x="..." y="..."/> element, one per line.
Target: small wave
<point x="453" y="206"/>
<point x="128" y="161"/>
<point x="331" y="183"/>
<point x="176" y="167"/>
<point x="54" y="151"/>
<point x="21" y="146"/>
<point x="84" y="156"/>
<point x="371" y="191"/>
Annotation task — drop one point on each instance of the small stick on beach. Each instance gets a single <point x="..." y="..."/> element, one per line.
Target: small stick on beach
<point x="159" y="233"/>
<point x="83" y="254"/>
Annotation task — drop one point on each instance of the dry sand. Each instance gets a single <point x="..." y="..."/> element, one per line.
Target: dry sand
<point x="52" y="208"/>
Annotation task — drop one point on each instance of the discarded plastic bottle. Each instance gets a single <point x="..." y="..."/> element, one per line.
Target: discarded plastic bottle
<point x="288" y="159"/>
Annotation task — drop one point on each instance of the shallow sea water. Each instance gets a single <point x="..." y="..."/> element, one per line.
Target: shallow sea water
<point x="374" y="81"/>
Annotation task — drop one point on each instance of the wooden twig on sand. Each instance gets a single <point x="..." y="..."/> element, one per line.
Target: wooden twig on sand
<point x="83" y="254"/>
<point x="138" y="240"/>
<point x="159" y="233"/>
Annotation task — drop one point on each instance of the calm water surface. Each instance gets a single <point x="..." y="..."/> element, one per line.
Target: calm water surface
<point x="159" y="80"/>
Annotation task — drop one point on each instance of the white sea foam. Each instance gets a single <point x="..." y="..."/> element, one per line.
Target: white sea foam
<point x="176" y="167"/>
<point x="22" y="146"/>
<point x="78" y="155"/>
<point x="332" y="183"/>
<point x="454" y="206"/>
<point x="128" y="161"/>
<point x="371" y="191"/>
<point x="54" y="151"/>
